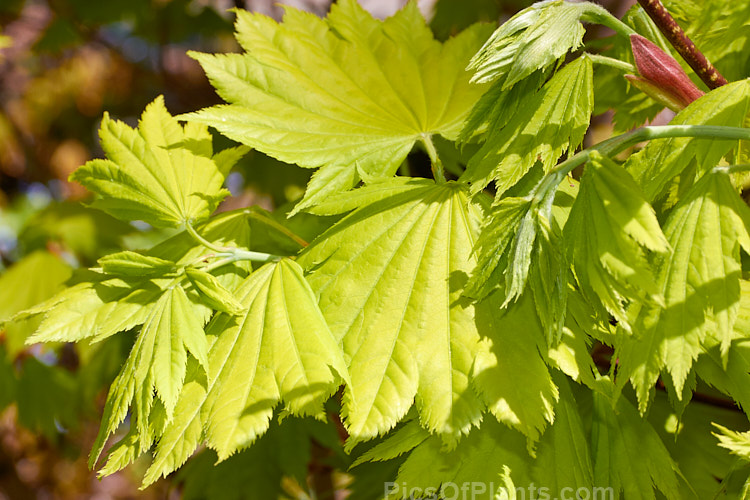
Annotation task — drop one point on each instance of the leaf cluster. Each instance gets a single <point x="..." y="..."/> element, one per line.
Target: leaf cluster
<point x="483" y="328"/>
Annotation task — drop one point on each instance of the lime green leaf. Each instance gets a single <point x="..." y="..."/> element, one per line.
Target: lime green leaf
<point x="397" y="443"/>
<point x="736" y="442"/>
<point x="280" y="350"/>
<point x="389" y="277"/>
<point x="504" y="250"/>
<point x="151" y="174"/>
<point x="157" y="363"/>
<point x="563" y="459"/>
<point x="212" y="292"/>
<point x="609" y="226"/>
<point x="99" y="305"/>
<point x="347" y="93"/>
<point x="183" y="434"/>
<point x="123" y="453"/>
<point x="516" y="340"/>
<point x="731" y="378"/>
<point x="128" y="264"/>
<point x="700" y="283"/>
<point x="514" y="235"/>
<point x="628" y="454"/>
<point x="547" y="124"/>
<point x="535" y="38"/>
<point x="660" y="161"/>
<point x="479" y="460"/>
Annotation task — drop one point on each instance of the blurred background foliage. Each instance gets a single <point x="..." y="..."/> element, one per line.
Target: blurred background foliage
<point x="62" y="64"/>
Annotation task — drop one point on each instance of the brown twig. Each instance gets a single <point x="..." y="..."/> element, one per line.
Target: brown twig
<point x="680" y="41"/>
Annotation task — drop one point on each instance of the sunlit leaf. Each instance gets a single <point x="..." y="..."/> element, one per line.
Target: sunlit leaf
<point x="545" y="125"/>
<point x="699" y="281"/>
<point x="279" y="349"/>
<point x="348" y="93"/>
<point x="389" y="277"/>
<point x="160" y="173"/>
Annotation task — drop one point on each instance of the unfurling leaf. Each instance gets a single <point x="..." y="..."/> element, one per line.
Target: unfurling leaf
<point x="133" y="264"/>
<point x="535" y="38"/>
<point x="545" y="125"/>
<point x="663" y="77"/>
<point x="212" y="292"/>
<point x="501" y="257"/>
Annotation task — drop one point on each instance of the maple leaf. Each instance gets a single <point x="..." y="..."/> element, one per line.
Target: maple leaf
<point x="278" y="349"/>
<point x="394" y="302"/>
<point x="533" y="39"/>
<point x="161" y="173"/>
<point x="349" y="94"/>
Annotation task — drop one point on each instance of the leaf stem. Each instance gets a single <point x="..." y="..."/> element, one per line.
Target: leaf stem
<point x="734" y="169"/>
<point x="544" y="192"/>
<point x="239" y="255"/>
<point x="438" y="172"/>
<point x="259" y="215"/>
<point x="232" y="253"/>
<point x="684" y="46"/>
<point x="203" y="241"/>
<point x="613" y="63"/>
<point x="598" y="14"/>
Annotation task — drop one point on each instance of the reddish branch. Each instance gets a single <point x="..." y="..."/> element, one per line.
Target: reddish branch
<point x="680" y="41"/>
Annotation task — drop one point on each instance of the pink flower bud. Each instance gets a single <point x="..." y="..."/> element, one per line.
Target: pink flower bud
<point x="661" y="76"/>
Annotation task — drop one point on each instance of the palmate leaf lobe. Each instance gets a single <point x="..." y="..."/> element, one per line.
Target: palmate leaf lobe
<point x="700" y="283"/>
<point x="607" y="233"/>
